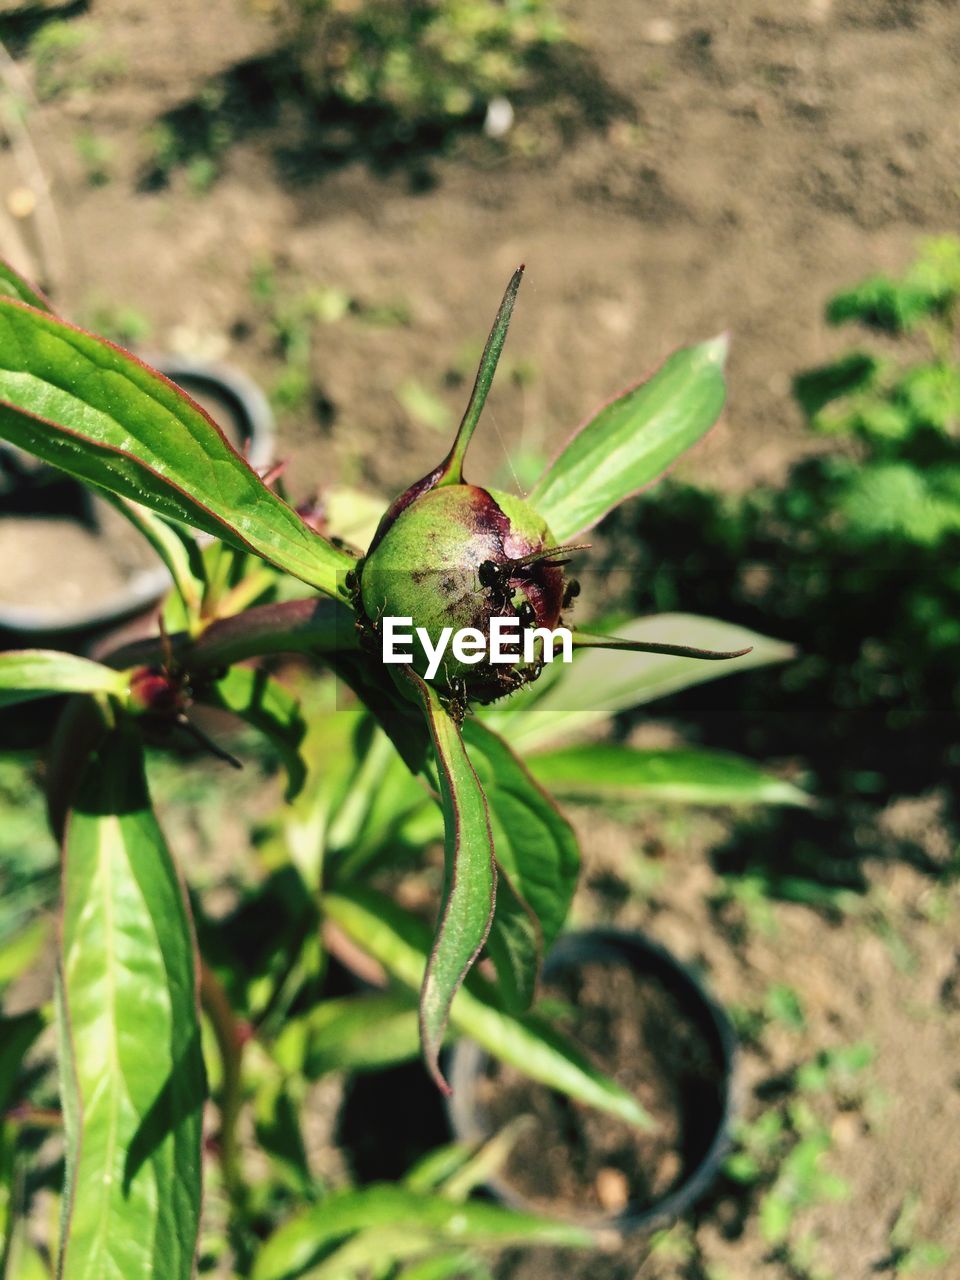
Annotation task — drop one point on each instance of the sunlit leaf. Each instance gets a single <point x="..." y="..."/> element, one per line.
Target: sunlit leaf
<point x="84" y="405"/>
<point x="132" y="1079"/>
<point x="600" y="682"/>
<point x="301" y="1243"/>
<point x="176" y="547"/>
<point x="538" y="853"/>
<point x="37" y="673"/>
<point x="13" y="285"/>
<point x="632" y="440"/>
<point x="604" y="769"/>
<point x="468" y="882"/>
<point x="355" y="1033"/>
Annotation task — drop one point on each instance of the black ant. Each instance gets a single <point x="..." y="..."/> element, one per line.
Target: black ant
<point x="571" y="591"/>
<point x="456" y="699"/>
<point x="495" y="575"/>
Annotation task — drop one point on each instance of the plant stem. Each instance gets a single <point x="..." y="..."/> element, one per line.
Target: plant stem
<point x="315" y="626"/>
<point x="230" y="1041"/>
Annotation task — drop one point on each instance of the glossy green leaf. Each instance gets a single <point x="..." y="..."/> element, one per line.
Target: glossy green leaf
<point x="469" y="878"/>
<point x="452" y="466"/>
<point x="535" y="844"/>
<point x="13" y="285"/>
<point x="261" y="701"/>
<point x="177" y="548"/>
<point x="515" y="943"/>
<point x="632" y="440"/>
<point x="132" y="1080"/>
<point x="302" y="1243"/>
<point x="401" y="943"/>
<point x="610" y="770"/>
<point x="37" y="673"/>
<point x="354" y="1033"/>
<point x="96" y="412"/>
<point x="601" y="682"/>
<point x="538" y="855"/>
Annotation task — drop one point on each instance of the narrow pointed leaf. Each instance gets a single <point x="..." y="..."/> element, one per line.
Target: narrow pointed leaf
<point x="515" y="942"/>
<point x="610" y="770"/>
<point x="538" y="854"/>
<point x="601" y="682"/>
<point x="455" y="1265"/>
<point x="632" y="440"/>
<point x="13" y="285"/>
<point x="355" y="1033"/>
<point x="84" y="405"/>
<point x="177" y="548"/>
<point x="132" y="1071"/>
<point x="599" y="640"/>
<point x="302" y="1243"/>
<point x="401" y="943"/>
<point x="539" y="850"/>
<point x="261" y="701"/>
<point x="37" y="673"/>
<point x="469" y="877"/>
<point x="451" y="471"/>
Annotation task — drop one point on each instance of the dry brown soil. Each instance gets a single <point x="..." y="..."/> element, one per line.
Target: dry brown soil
<point x="737" y="163"/>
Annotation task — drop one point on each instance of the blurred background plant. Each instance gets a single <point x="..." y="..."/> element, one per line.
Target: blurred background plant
<point x="429" y="60"/>
<point x="854" y="556"/>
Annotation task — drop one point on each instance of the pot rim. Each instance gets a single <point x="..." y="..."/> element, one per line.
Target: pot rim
<point x="146" y="587"/>
<point x="465" y="1059"/>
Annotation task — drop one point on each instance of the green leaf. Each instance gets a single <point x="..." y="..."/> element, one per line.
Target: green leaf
<point x="177" y="548"/>
<point x="814" y="389"/>
<point x="251" y="694"/>
<point x="38" y="673"/>
<point x="132" y="1072"/>
<point x="13" y="285"/>
<point x="632" y="440"/>
<point x="469" y="877"/>
<point x="455" y="1265"/>
<point x="96" y="412"/>
<point x="538" y="848"/>
<point x="451" y="469"/>
<point x="355" y="1033"/>
<point x="537" y="851"/>
<point x="602" y="682"/>
<point x="401" y="943"/>
<point x="515" y="944"/>
<point x="303" y="1242"/>
<point x="604" y="769"/>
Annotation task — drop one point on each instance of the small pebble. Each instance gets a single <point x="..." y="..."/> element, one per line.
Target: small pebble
<point x="499" y="120"/>
<point x="659" y="31"/>
<point x="21" y="202"/>
<point x="613" y="1190"/>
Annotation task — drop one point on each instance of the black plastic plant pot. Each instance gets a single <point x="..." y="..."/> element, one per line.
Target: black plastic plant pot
<point x="73" y="567"/>
<point x="644" y="1018"/>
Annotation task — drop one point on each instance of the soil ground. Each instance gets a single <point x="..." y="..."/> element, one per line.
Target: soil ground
<point x="705" y="167"/>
